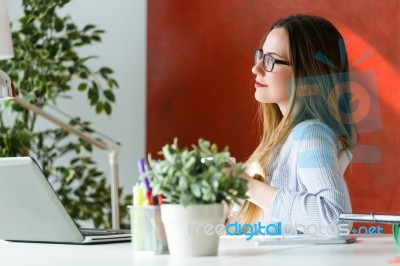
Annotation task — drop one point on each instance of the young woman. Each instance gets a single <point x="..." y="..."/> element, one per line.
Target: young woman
<point x="301" y="83"/>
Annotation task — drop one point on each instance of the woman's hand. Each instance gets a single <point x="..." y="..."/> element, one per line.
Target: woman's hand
<point x="258" y="192"/>
<point x="233" y="168"/>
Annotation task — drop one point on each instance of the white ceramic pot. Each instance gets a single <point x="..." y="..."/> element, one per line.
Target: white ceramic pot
<point x="193" y="230"/>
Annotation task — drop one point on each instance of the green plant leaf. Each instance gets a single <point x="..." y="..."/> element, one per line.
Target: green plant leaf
<point x="183" y="183"/>
<point x="105" y="71"/>
<point x="109" y="95"/>
<point x="196" y="190"/>
<point x="83" y="86"/>
<point x="99" y="107"/>
<point x="89" y="27"/>
<point x="107" y="108"/>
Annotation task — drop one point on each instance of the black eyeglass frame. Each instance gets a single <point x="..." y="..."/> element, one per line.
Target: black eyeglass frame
<point x="263" y="58"/>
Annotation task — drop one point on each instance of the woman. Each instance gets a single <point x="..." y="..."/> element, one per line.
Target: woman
<point x="301" y="81"/>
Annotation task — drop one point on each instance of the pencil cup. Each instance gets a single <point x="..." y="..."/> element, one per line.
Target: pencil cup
<point x="148" y="235"/>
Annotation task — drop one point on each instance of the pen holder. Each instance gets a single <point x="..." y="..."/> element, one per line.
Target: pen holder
<point x="147" y="230"/>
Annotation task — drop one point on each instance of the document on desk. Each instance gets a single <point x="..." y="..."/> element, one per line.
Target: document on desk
<point x="305" y="240"/>
<point x="261" y="241"/>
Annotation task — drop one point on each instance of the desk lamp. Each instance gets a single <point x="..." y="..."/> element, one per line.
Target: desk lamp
<point x="7" y="91"/>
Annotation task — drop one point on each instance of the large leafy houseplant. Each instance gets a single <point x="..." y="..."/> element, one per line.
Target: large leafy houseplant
<point x="201" y="175"/>
<point x="46" y="67"/>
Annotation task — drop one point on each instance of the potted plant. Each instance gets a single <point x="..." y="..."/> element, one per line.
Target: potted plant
<point x="194" y="184"/>
<point x="45" y="68"/>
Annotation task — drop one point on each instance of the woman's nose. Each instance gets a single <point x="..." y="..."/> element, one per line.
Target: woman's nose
<point x="257" y="69"/>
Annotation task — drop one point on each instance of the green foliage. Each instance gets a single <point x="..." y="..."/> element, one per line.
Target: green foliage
<point x="46" y="66"/>
<point x="201" y="175"/>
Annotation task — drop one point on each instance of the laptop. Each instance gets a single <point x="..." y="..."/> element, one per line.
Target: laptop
<point x="31" y="211"/>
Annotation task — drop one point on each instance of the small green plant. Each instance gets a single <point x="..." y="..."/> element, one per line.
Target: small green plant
<point x="201" y="175"/>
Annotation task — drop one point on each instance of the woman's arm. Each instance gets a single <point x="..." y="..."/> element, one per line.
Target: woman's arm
<point x="260" y="193"/>
<point x="322" y="191"/>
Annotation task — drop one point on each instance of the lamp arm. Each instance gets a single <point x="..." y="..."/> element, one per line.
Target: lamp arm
<point x="7" y="91"/>
<point x="61" y="124"/>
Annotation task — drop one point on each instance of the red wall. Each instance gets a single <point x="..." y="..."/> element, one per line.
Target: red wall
<point x="200" y="81"/>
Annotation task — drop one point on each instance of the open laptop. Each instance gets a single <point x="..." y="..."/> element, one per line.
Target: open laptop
<point x="30" y="210"/>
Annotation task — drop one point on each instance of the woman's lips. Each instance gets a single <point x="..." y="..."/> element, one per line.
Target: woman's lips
<point x="259" y="85"/>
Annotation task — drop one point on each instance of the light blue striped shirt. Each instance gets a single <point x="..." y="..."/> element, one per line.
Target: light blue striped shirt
<point x="308" y="172"/>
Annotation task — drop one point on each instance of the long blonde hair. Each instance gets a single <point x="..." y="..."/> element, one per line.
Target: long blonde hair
<point x="318" y="58"/>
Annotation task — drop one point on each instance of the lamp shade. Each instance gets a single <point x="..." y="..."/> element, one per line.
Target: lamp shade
<point x="6" y="49"/>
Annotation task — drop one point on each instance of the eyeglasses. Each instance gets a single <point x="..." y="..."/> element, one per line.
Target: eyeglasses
<point x="268" y="61"/>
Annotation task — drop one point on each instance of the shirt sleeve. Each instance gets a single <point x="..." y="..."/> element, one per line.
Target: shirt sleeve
<point x="323" y="193"/>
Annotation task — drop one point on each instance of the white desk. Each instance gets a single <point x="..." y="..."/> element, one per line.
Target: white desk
<point x="367" y="251"/>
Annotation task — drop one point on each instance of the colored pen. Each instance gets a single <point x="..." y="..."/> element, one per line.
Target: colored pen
<point x="137" y="195"/>
<point x="156" y="199"/>
<point x="159" y="199"/>
<point x="142" y="170"/>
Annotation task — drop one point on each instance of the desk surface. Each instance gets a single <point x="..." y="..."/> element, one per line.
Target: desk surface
<point x="366" y="251"/>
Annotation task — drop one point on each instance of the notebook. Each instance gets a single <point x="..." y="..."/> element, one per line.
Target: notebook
<point x="31" y="211"/>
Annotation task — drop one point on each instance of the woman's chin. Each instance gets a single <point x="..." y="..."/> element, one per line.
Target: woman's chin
<point x="261" y="97"/>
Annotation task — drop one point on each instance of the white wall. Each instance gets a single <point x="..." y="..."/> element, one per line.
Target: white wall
<point x="123" y="48"/>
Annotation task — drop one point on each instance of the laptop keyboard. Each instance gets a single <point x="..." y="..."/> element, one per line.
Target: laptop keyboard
<point x="100" y="232"/>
